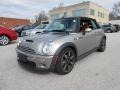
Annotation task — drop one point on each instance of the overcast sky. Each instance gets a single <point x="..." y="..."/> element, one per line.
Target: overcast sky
<point x="29" y="8"/>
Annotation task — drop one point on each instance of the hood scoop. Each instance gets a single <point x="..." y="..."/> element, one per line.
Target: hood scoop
<point x="31" y="41"/>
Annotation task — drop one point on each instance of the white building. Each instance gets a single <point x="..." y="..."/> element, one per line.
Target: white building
<point x="84" y="9"/>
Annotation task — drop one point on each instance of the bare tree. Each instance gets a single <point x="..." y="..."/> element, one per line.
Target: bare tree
<point x="115" y="14"/>
<point x="112" y="16"/>
<point x="116" y="9"/>
<point x="41" y="17"/>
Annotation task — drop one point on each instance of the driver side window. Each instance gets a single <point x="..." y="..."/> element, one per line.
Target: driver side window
<point x="84" y="24"/>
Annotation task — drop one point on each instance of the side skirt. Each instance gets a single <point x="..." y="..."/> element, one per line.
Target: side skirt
<point x="86" y="54"/>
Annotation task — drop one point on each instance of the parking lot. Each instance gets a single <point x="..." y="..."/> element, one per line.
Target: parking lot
<point x="98" y="71"/>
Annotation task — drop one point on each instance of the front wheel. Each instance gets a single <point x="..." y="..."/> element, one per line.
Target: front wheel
<point x="66" y="61"/>
<point x="109" y="31"/>
<point x="102" y="46"/>
<point x="4" y="40"/>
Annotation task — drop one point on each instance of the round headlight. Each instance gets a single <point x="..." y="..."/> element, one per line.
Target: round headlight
<point x="48" y="47"/>
<point x="20" y="40"/>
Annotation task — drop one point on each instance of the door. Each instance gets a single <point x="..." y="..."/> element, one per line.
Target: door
<point x="86" y="41"/>
<point x="83" y="43"/>
<point x="97" y="33"/>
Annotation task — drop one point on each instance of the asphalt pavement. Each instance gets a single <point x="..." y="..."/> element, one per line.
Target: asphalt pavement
<point x="98" y="71"/>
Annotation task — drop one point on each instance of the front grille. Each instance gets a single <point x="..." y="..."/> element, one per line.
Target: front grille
<point x="26" y="49"/>
<point x="29" y="41"/>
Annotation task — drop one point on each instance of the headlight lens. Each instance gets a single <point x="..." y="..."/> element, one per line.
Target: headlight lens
<point x="20" y="40"/>
<point x="48" y="47"/>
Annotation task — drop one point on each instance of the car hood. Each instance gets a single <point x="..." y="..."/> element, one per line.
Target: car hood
<point x="28" y="30"/>
<point x="34" y="30"/>
<point x="45" y="37"/>
<point x="37" y="42"/>
<point x="40" y="30"/>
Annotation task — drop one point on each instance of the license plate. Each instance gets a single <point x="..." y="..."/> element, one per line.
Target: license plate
<point x="22" y="57"/>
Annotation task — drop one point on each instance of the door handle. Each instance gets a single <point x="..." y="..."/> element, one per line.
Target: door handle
<point x="77" y="38"/>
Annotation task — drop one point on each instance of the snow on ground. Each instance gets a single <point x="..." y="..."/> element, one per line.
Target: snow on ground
<point x="98" y="71"/>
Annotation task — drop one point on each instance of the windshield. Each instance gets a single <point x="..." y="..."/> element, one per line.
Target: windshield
<point x="42" y="26"/>
<point x="62" y="25"/>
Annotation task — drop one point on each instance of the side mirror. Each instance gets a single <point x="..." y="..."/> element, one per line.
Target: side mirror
<point x="88" y="30"/>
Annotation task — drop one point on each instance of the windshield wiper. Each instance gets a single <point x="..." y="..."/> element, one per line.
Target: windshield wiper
<point x="63" y="30"/>
<point x="46" y="31"/>
<point x="58" y="31"/>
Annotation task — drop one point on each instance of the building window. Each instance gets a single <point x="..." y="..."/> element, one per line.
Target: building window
<point x="55" y="16"/>
<point x="92" y="12"/>
<point x="80" y="12"/>
<point x="101" y="15"/>
<point x="98" y="14"/>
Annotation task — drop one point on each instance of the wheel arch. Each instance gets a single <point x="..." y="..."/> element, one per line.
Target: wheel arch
<point x="62" y="47"/>
<point x="66" y="45"/>
<point x="6" y="35"/>
<point x="104" y="37"/>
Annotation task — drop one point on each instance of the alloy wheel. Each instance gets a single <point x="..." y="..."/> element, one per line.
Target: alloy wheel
<point x="68" y="61"/>
<point x="109" y="31"/>
<point x="4" y="40"/>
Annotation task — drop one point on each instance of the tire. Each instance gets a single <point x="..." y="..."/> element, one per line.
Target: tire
<point x="4" y="40"/>
<point x="109" y="31"/>
<point x="66" y="61"/>
<point x="102" y="46"/>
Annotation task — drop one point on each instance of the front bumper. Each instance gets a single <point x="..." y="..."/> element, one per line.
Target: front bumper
<point x="38" y="61"/>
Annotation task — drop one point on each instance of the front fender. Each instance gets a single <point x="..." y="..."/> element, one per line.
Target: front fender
<point x="68" y="44"/>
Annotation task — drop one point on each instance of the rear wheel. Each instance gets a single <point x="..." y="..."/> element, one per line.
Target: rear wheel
<point x="102" y="46"/>
<point x="109" y="31"/>
<point x="66" y="61"/>
<point x="4" y="40"/>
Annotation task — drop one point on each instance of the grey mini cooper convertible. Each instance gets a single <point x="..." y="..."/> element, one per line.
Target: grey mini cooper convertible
<point x="60" y="45"/>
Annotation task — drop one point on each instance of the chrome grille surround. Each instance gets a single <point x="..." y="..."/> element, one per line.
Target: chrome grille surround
<point x="26" y="49"/>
